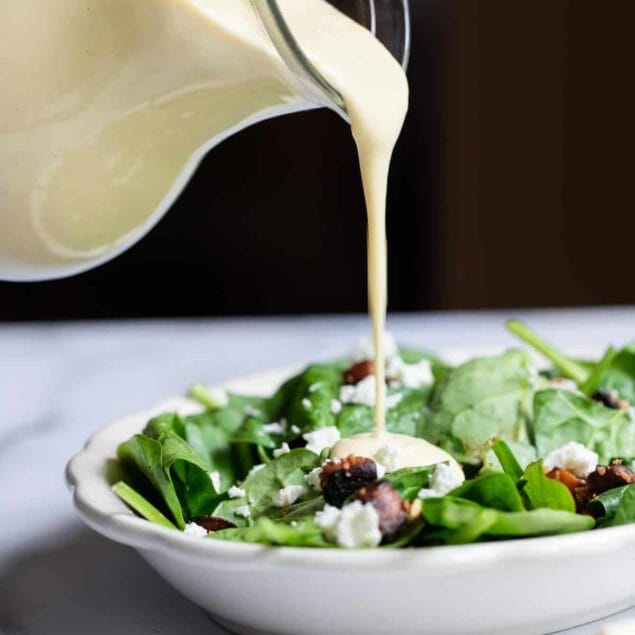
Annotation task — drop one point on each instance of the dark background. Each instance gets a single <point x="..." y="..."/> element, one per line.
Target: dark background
<point x="512" y="186"/>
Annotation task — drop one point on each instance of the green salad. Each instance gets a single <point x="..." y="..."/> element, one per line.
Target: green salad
<point x="529" y="453"/>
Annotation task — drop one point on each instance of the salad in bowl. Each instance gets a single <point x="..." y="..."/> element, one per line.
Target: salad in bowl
<point x="507" y="452"/>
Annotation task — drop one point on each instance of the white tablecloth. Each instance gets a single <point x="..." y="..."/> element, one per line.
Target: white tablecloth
<point x="58" y="383"/>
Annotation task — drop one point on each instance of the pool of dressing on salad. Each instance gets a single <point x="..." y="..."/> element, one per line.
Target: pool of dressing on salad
<point x="108" y="104"/>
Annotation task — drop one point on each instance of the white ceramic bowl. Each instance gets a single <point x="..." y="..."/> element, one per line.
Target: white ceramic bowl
<point x="536" y="585"/>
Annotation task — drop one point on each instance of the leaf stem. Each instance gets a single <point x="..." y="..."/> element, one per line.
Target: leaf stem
<point x="138" y="503"/>
<point x="569" y="368"/>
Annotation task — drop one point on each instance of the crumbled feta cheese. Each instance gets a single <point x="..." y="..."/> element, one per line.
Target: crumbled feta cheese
<point x="321" y="438"/>
<point x="415" y="375"/>
<point x="393" y="400"/>
<point x="236" y="492"/>
<point x="250" y="411"/>
<point x="366" y="350"/>
<point x="215" y="478"/>
<point x="283" y="449"/>
<point x="295" y="429"/>
<point x="327" y="521"/>
<point x="564" y="384"/>
<point x="256" y="468"/>
<point x="195" y="530"/>
<point x="363" y="392"/>
<point x="388" y="457"/>
<point x="444" y="479"/>
<point x="574" y="457"/>
<point x="316" y="386"/>
<point x="358" y="526"/>
<point x="336" y="406"/>
<point x="381" y="470"/>
<point x="243" y="511"/>
<point x="277" y="427"/>
<point x="313" y="478"/>
<point x="287" y="495"/>
<point x="306" y="403"/>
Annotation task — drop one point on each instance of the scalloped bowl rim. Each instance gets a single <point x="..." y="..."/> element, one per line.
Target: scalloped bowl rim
<point x="104" y="512"/>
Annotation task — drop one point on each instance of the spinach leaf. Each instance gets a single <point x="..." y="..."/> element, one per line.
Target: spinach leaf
<point x="493" y="490"/>
<point x="315" y="389"/>
<point x="561" y="416"/>
<point x="263" y="485"/>
<point x="625" y="510"/>
<point x="407" y="416"/>
<point x="146" y="455"/>
<point x="299" y="533"/>
<point x="139" y="504"/>
<point x="168" y="422"/>
<point x="619" y="374"/>
<point x="544" y="492"/>
<point x="409" y="480"/>
<point x="507" y="459"/>
<point x="606" y="504"/>
<point x="481" y="399"/>
<point x="455" y="513"/>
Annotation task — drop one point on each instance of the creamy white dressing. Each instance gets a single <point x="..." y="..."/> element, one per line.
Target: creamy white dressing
<point x="107" y="105"/>
<point x="408" y="451"/>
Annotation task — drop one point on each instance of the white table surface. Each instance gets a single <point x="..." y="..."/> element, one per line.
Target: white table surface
<point x="58" y="383"/>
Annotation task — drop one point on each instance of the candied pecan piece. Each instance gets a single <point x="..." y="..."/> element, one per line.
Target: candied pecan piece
<point x="565" y="477"/>
<point x="608" y="477"/>
<point x="342" y="477"/>
<point x="212" y="523"/>
<point x="577" y="486"/>
<point x="610" y="399"/>
<point x="358" y="371"/>
<point x="389" y="505"/>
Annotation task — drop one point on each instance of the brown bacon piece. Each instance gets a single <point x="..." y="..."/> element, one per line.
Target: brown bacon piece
<point x="389" y="505"/>
<point x="342" y="477"/>
<point x="212" y="523"/>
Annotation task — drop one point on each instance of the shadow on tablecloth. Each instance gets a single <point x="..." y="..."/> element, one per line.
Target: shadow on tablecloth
<point x="91" y="586"/>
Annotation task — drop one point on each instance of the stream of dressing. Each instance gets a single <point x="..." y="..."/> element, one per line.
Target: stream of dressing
<point x="375" y="91"/>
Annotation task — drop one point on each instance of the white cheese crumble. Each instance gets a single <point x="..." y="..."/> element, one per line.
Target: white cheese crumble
<point x="336" y="406"/>
<point x="388" y="456"/>
<point x="313" y="478"/>
<point x="195" y="530"/>
<point x="365" y="349"/>
<point x="277" y="427"/>
<point x="250" y="411"/>
<point x="283" y="449"/>
<point x="414" y="375"/>
<point x="444" y="479"/>
<point x="381" y="470"/>
<point x="574" y="457"/>
<point x="287" y="495"/>
<point x="243" y="511"/>
<point x="215" y="478"/>
<point x="295" y="429"/>
<point x="236" y="492"/>
<point x="306" y="402"/>
<point x="363" y="392"/>
<point x="355" y="526"/>
<point x="564" y="384"/>
<point x="321" y="438"/>
<point x="256" y="468"/>
<point x="316" y="386"/>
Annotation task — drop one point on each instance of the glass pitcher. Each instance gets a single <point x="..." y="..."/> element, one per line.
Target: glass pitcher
<point x="108" y="106"/>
